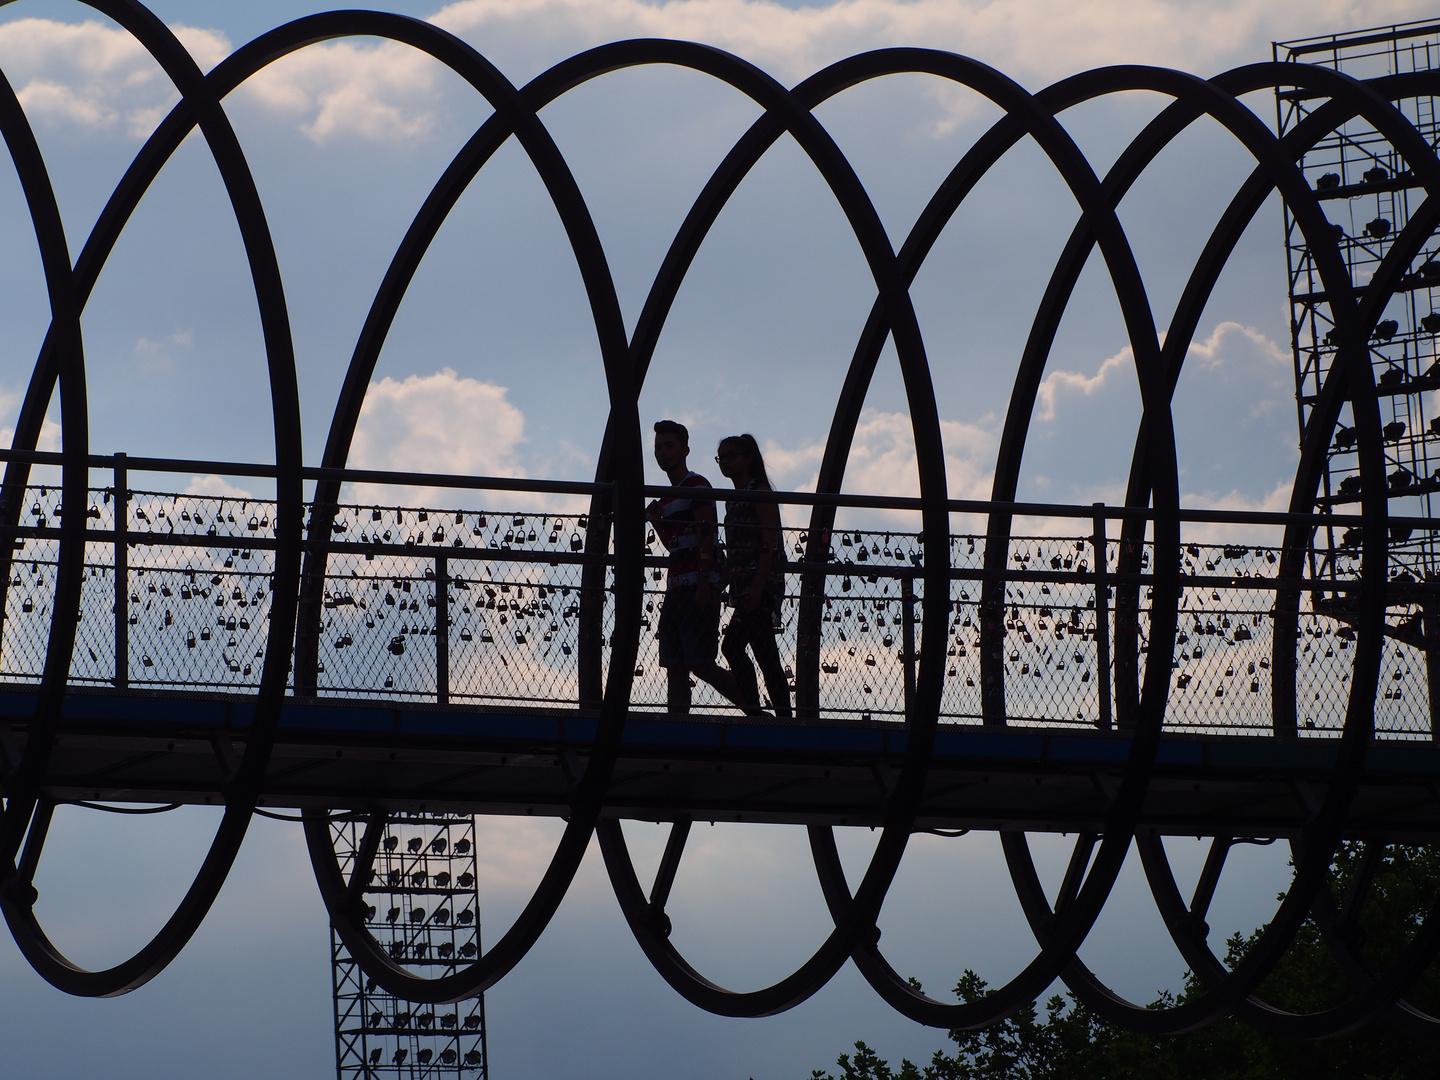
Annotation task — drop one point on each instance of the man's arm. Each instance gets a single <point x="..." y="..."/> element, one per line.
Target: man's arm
<point x="657" y="519"/>
<point x="705" y="546"/>
<point x="705" y="522"/>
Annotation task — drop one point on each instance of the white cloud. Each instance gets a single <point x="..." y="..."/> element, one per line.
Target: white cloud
<point x="159" y="356"/>
<point x="1061" y="382"/>
<point x="883" y="462"/>
<point x="1235" y="427"/>
<point x="1035" y="41"/>
<point x="1231" y="344"/>
<point x="48" y="442"/>
<point x="1274" y="501"/>
<point x="383" y="92"/>
<point x="95" y="76"/>
<point x="795" y="469"/>
<point x="882" y="458"/>
<point x="438" y="423"/>
<point x="216" y="486"/>
<point x="512" y="854"/>
<point x="1234" y="363"/>
<point x="57" y="101"/>
<point x="1232" y="352"/>
<point x="446" y="423"/>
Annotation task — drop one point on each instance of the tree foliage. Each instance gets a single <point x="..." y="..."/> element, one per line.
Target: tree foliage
<point x="1070" y="1042"/>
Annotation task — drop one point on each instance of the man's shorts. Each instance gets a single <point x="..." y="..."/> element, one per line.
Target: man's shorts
<point x="689" y="634"/>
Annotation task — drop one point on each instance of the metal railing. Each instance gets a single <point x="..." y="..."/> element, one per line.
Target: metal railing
<point x="481" y="606"/>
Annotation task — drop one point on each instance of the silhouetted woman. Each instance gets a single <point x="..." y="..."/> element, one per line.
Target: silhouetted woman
<point x="755" y="553"/>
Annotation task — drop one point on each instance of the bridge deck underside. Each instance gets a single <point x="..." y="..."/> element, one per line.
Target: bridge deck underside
<point x="173" y="748"/>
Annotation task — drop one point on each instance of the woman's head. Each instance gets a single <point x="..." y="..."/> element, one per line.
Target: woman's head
<point x="742" y="451"/>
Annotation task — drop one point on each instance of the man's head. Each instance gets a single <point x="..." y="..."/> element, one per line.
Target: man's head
<point x="672" y="445"/>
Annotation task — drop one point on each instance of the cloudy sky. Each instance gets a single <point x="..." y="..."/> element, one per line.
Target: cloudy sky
<point x="492" y="367"/>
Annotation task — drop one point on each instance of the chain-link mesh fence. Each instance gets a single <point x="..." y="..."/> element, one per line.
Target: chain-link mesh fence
<point x="484" y="607"/>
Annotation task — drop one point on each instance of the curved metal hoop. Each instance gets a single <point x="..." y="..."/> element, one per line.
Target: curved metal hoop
<point x="1227" y="991"/>
<point x="27" y="816"/>
<point x="1060" y="928"/>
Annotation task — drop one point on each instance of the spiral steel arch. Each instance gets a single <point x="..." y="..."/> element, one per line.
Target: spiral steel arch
<point x="27" y="816"/>
<point x="1060" y="929"/>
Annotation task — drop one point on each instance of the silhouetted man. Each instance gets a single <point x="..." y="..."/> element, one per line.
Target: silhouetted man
<point x="689" y="629"/>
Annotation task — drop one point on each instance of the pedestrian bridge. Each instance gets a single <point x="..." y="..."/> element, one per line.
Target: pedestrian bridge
<point x="445" y="651"/>
<point x="492" y="649"/>
<point x="356" y="644"/>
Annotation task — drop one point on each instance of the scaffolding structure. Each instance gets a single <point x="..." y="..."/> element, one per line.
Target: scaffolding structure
<point x="1366" y="190"/>
<point x="422" y="904"/>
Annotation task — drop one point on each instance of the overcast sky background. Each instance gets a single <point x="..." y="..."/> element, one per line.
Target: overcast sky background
<point x="492" y="367"/>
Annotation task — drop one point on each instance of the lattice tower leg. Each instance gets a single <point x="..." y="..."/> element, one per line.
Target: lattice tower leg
<point x="423" y="905"/>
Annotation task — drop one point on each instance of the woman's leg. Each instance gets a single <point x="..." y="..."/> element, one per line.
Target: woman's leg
<point x="737" y="636"/>
<point x="767" y="655"/>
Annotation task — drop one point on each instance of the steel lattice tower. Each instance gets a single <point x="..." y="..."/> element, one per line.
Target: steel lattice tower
<point x="423" y="904"/>
<point x="1366" y="190"/>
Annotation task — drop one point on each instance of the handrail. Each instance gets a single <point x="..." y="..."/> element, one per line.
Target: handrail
<point x="1086" y="512"/>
